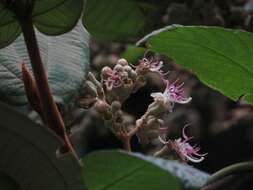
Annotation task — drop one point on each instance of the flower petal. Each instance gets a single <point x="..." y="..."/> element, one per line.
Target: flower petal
<point x="184" y="100"/>
<point x="196" y="160"/>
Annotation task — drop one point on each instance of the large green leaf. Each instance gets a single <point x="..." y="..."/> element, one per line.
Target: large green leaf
<point x="221" y="58"/>
<point x="52" y="17"/>
<point x="28" y="156"/>
<point x="117" y="20"/>
<point x="65" y="57"/>
<point x="114" y="170"/>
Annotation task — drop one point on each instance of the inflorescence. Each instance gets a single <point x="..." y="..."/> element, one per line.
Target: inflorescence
<point x="117" y="84"/>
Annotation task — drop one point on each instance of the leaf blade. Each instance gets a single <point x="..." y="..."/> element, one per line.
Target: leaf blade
<point x="51" y="17"/>
<point x="215" y="54"/>
<point x="65" y="57"/>
<point x="9" y="28"/>
<point x="121" y="20"/>
<point x="60" y="19"/>
<point x="29" y="155"/>
<point x="114" y="170"/>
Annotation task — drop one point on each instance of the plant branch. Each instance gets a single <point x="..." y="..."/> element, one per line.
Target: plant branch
<point x="49" y="108"/>
<point x="126" y="138"/>
<point x="133" y="131"/>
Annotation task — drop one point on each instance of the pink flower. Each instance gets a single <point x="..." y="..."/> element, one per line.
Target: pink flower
<point x="152" y="65"/>
<point x="173" y="93"/>
<point x="184" y="150"/>
<point x="111" y="79"/>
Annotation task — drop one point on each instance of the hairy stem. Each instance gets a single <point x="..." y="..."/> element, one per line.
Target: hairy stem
<point x="49" y="108"/>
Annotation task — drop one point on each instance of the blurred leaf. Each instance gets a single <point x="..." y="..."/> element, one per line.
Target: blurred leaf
<point x="28" y="155"/>
<point x="132" y="54"/>
<point x="114" y="170"/>
<point x="221" y="58"/>
<point x="6" y="183"/>
<point x="52" y="17"/>
<point x="9" y="28"/>
<point x="232" y="182"/>
<point x="234" y="169"/>
<point x="66" y="59"/>
<point x="59" y="19"/>
<point x="117" y="20"/>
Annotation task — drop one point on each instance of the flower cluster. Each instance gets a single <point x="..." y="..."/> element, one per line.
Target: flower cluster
<point x="120" y="81"/>
<point x="117" y="84"/>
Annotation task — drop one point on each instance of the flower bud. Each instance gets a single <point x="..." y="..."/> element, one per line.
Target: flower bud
<point x="133" y="75"/>
<point x="122" y="62"/>
<point x="127" y="68"/>
<point x="91" y="89"/>
<point x="101" y="106"/>
<point x="105" y="71"/>
<point x="31" y="90"/>
<point x="115" y="106"/>
<point x="118" y="68"/>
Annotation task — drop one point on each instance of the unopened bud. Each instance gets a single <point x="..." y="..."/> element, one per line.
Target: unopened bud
<point x="127" y="68"/>
<point x="31" y="89"/>
<point x="115" y="106"/>
<point x="118" y="68"/>
<point x="105" y="71"/>
<point x="101" y="106"/>
<point x="122" y="62"/>
<point x="91" y="89"/>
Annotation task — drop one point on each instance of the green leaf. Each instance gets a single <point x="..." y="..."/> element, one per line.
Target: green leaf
<point x="117" y="20"/>
<point x="28" y="155"/>
<point x="114" y="170"/>
<point x="45" y="6"/>
<point x="52" y="17"/>
<point x="221" y="58"/>
<point x="66" y="59"/>
<point x="132" y="54"/>
<point x="59" y="19"/>
<point x="9" y="28"/>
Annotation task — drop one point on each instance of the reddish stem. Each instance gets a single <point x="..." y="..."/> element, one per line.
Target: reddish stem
<point x="126" y="140"/>
<point x="50" y="110"/>
<point x="127" y="144"/>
